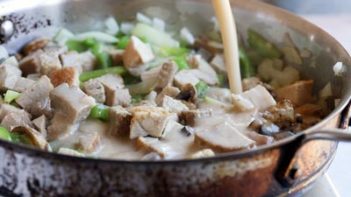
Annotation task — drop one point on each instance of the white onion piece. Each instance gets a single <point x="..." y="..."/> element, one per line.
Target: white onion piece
<point x="159" y="24"/>
<point x="111" y="26"/>
<point x="187" y="36"/>
<point x="62" y="36"/>
<point x="3" y="52"/>
<point x="143" y="19"/>
<point x="127" y="28"/>
<point x="100" y="36"/>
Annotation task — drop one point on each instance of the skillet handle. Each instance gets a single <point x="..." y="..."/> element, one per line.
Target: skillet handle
<point x="286" y="172"/>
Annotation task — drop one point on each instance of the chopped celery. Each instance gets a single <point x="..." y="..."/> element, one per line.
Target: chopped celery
<point x="262" y="46"/>
<point x="100" y="112"/>
<point x="173" y="51"/>
<point x="181" y="62"/>
<point x="246" y="68"/>
<point x="75" y="45"/>
<point x="10" y="96"/>
<point x="154" y="36"/>
<point x="201" y="89"/>
<point x="123" y="42"/>
<point x="5" y="134"/>
<point x="20" y="138"/>
<point x="104" y="59"/>
<point x="85" y="76"/>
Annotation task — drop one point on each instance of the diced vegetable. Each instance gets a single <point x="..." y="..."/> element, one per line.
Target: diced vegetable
<point x="99" y="36"/>
<point x="143" y="19"/>
<point x="154" y="36"/>
<point x="100" y="112"/>
<point x="104" y="59"/>
<point x="111" y="26"/>
<point x="247" y="69"/>
<point x="62" y="36"/>
<point x="85" y="76"/>
<point x="127" y="28"/>
<point x="262" y="46"/>
<point x="5" y="134"/>
<point x="181" y="62"/>
<point x="201" y="89"/>
<point x="123" y="42"/>
<point x="173" y="51"/>
<point x="11" y="61"/>
<point x="20" y="138"/>
<point x="187" y="36"/>
<point x="159" y="24"/>
<point x="11" y="96"/>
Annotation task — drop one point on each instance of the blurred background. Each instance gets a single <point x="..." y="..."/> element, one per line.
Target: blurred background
<point x="314" y="6"/>
<point x="334" y="16"/>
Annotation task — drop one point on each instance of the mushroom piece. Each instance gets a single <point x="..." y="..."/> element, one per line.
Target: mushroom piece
<point x="241" y="104"/>
<point x="223" y="137"/>
<point x="30" y="64"/>
<point x="187" y="93"/>
<point x="137" y="53"/>
<point x="203" y="70"/>
<point x="35" y="138"/>
<point x="190" y="117"/>
<point x="88" y="142"/>
<point x="218" y="63"/>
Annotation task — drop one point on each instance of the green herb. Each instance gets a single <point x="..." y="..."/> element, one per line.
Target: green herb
<point x="265" y="48"/>
<point x="246" y="68"/>
<point x="85" y="76"/>
<point x="5" y="134"/>
<point x="100" y="112"/>
<point x="201" y="89"/>
<point x="221" y="80"/>
<point x="11" y="96"/>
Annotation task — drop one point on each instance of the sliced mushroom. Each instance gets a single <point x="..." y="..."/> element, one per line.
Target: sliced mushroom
<point x="203" y="154"/>
<point x="166" y="75"/>
<point x="223" y="137"/>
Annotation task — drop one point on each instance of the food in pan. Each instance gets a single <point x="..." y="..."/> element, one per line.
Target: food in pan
<point x="142" y="91"/>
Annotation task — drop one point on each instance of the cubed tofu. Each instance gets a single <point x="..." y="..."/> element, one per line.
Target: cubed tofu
<point x="71" y="101"/>
<point x="147" y="120"/>
<point x="69" y="75"/>
<point x="137" y="53"/>
<point x="8" y="76"/>
<point x="298" y="93"/>
<point x="35" y="99"/>
<point x="120" y="120"/>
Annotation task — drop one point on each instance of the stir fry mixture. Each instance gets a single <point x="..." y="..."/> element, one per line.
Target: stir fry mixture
<point x="137" y="90"/>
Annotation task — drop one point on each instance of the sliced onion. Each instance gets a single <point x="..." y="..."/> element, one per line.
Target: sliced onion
<point x="100" y="36"/>
<point x="112" y="26"/>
